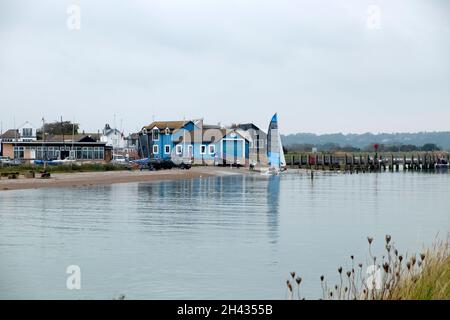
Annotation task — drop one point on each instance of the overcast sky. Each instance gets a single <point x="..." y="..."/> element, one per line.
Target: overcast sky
<point x="324" y="66"/>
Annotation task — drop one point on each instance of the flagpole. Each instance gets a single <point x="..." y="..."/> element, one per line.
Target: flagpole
<point x="44" y="154"/>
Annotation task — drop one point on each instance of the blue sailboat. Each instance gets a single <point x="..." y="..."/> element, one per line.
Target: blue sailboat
<point x="275" y="154"/>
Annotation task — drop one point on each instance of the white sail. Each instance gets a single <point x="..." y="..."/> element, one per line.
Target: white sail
<point x="282" y="158"/>
<point x="275" y="152"/>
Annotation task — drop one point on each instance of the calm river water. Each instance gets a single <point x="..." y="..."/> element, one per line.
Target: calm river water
<point x="219" y="237"/>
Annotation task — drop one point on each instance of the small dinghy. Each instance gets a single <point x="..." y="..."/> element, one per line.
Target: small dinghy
<point x="275" y="154"/>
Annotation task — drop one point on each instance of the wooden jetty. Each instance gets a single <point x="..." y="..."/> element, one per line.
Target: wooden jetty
<point x="356" y="163"/>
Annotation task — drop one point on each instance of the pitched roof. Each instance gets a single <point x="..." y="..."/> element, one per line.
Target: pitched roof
<point x="80" y="137"/>
<point x="133" y="136"/>
<point x="214" y="134"/>
<point x="211" y="126"/>
<point x="247" y="126"/>
<point x="10" y="134"/>
<point x="111" y="130"/>
<point x="172" y="125"/>
<point x="244" y="134"/>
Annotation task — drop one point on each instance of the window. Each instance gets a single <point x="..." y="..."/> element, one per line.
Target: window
<point x="155" y="135"/>
<point x="19" y="152"/>
<point x="98" y="153"/>
<point x="27" y="132"/>
<point x="167" y="149"/>
<point x="155" y="149"/>
<point x="179" y="149"/>
<point x="202" y="149"/>
<point x="39" y="153"/>
<point x="90" y="153"/>
<point x="84" y="152"/>
<point x="167" y="131"/>
<point x="79" y="154"/>
<point x="212" y="149"/>
<point x="50" y="153"/>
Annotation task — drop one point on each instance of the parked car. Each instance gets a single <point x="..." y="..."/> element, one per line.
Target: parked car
<point x="158" y="164"/>
<point x="119" y="159"/>
<point x="182" y="163"/>
<point x="5" y="161"/>
<point x="16" y="162"/>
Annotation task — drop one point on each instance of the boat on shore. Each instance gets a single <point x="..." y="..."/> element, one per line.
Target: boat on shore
<point x="442" y="164"/>
<point x="54" y="162"/>
<point x="275" y="153"/>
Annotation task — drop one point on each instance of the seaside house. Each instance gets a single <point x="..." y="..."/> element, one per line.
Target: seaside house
<point x="83" y="147"/>
<point x="9" y="136"/>
<point x="194" y="140"/>
<point x="131" y="146"/>
<point x="131" y="142"/>
<point x="26" y="132"/>
<point x="258" y="143"/>
<point x="113" y="138"/>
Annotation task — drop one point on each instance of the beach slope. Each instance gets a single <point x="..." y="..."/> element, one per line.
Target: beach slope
<point x="108" y="177"/>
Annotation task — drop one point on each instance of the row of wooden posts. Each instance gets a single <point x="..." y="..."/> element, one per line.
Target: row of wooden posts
<point x="30" y="174"/>
<point x="367" y="163"/>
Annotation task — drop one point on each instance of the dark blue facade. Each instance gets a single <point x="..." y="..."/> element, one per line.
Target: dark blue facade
<point x="225" y="147"/>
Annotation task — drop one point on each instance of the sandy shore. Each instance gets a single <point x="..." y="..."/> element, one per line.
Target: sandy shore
<point x="109" y="177"/>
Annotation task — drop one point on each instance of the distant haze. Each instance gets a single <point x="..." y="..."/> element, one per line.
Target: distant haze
<point x="442" y="139"/>
<point x="324" y="66"/>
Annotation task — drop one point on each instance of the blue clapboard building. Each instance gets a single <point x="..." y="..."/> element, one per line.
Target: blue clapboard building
<point x="202" y="144"/>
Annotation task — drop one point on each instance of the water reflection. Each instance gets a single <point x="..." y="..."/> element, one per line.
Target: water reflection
<point x="232" y="201"/>
<point x="273" y="197"/>
<point x="205" y="238"/>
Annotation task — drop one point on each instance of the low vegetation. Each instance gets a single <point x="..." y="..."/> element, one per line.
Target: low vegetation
<point x="87" y="167"/>
<point x="394" y="276"/>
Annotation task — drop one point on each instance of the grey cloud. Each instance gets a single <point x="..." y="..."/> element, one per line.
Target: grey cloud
<point x="314" y="62"/>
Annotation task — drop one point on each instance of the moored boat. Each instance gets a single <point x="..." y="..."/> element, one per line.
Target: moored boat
<point x="275" y="153"/>
<point x="442" y="164"/>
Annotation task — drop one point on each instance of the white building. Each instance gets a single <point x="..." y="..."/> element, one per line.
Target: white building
<point x="27" y="132"/>
<point x="24" y="133"/>
<point x="113" y="138"/>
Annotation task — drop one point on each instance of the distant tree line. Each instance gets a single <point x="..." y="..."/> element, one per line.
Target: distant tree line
<point x="326" y="147"/>
<point x="334" y="147"/>
<point x="428" y="147"/>
<point x="415" y="141"/>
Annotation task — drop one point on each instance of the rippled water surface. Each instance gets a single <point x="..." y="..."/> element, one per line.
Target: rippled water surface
<point x="218" y="237"/>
